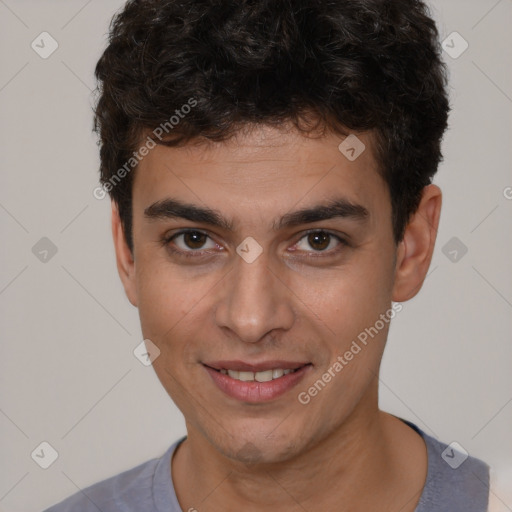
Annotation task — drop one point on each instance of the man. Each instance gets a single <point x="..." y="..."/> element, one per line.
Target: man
<point x="270" y="166"/>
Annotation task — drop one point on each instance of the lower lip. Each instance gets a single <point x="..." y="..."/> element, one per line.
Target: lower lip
<point x="257" y="392"/>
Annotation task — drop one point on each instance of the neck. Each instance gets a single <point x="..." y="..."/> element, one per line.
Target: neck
<point x="339" y="468"/>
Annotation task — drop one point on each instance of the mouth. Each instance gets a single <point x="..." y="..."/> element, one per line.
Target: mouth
<point x="256" y="383"/>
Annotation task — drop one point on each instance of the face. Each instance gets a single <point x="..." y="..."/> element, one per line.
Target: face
<point x="258" y="264"/>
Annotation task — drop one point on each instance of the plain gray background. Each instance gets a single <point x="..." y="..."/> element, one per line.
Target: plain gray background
<point x="68" y="373"/>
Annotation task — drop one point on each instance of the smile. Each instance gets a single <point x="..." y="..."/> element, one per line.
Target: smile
<point x="239" y="381"/>
<point x="265" y="376"/>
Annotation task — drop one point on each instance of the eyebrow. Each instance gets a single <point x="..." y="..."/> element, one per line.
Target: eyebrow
<point x="173" y="209"/>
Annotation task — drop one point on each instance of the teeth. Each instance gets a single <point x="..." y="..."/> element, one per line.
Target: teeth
<point x="233" y="374"/>
<point x="265" y="376"/>
<point x="277" y="373"/>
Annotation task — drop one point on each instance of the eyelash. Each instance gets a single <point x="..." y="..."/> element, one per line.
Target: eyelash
<point x="166" y="241"/>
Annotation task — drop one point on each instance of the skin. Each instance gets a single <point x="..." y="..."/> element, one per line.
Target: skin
<point x="300" y="300"/>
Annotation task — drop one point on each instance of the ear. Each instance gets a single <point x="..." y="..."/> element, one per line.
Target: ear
<point x="124" y="257"/>
<point x="415" y="251"/>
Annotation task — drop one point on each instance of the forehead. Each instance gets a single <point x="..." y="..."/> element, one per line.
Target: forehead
<point x="262" y="169"/>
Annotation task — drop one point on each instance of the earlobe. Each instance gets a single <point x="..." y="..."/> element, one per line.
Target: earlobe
<point x="124" y="258"/>
<point x="415" y="251"/>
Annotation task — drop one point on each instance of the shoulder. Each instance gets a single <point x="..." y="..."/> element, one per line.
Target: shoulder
<point x="131" y="490"/>
<point x="456" y="481"/>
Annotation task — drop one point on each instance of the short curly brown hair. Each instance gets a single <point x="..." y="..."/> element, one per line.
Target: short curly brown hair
<point x="356" y="64"/>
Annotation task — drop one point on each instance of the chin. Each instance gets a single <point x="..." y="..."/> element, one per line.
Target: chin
<point x="259" y="447"/>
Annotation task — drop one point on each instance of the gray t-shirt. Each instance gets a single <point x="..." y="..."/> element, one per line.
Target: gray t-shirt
<point x="149" y="486"/>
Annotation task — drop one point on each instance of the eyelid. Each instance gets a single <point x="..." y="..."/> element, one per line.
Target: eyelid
<point x="166" y="239"/>
<point x="340" y="238"/>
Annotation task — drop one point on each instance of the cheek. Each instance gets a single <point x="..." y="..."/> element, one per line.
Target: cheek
<point x="166" y="299"/>
<point x="174" y="308"/>
<point x="347" y="299"/>
<point x="353" y="337"/>
<point x="169" y="306"/>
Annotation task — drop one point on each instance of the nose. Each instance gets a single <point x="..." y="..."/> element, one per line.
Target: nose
<point x="254" y="301"/>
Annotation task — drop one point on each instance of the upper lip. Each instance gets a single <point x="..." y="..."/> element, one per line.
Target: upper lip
<point x="243" y="366"/>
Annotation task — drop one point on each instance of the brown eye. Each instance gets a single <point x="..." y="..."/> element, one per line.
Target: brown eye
<point x="190" y="241"/>
<point x="319" y="240"/>
<point x="194" y="239"/>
